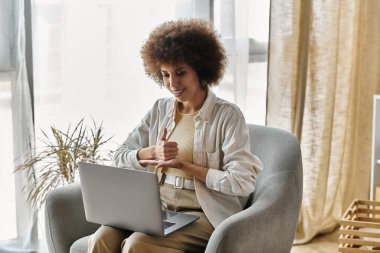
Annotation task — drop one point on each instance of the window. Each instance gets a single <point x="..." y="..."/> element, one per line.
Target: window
<point x="87" y="62"/>
<point x="7" y="182"/>
<point x="258" y="61"/>
<point x="244" y="26"/>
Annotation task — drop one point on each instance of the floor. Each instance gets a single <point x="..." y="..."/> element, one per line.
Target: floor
<point x="321" y="244"/>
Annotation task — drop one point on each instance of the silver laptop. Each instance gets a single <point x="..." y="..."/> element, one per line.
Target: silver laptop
<point x="127" y="199"/>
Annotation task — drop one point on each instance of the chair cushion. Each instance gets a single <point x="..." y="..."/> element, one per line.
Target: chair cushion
<point x="80" y="246"/>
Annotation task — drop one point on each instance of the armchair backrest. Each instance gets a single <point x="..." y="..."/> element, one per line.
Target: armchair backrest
<point x="279" y="151"/>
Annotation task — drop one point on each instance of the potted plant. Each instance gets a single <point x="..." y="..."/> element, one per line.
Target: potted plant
<point x="56" y="162"/>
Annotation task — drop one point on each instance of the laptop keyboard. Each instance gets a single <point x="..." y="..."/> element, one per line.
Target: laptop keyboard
<point x="168" y="224"/>
<point x="166" y="215"/>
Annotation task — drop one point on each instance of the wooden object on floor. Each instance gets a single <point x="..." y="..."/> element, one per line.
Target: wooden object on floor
<point x="360" y="227"/>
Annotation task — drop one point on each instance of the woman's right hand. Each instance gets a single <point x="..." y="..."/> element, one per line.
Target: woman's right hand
<point x="166" y="150"/>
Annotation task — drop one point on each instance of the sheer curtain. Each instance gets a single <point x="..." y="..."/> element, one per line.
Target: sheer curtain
<point x="19" y="232"/>
<point x="323" y="72"/>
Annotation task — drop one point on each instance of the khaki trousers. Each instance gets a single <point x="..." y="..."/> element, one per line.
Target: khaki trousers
<point x="191" y="238"/>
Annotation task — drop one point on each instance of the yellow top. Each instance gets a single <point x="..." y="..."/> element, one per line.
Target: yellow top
<point x="183" y="134"/>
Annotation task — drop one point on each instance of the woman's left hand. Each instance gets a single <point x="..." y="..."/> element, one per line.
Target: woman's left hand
<point x="187" y="167"/>
<point x="173" y="163"/>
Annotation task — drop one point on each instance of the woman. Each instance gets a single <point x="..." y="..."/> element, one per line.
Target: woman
<point x="198" y="143"/>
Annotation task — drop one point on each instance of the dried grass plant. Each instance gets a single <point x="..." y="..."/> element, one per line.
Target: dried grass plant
<point x="56" y="164"/>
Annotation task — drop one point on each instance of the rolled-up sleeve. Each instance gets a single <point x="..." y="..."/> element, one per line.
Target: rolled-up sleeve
<point x="238" y="171"/>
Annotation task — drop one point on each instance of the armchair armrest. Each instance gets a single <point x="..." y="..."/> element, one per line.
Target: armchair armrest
<point x="268" y="225"/>
<point x="65" y="220"/>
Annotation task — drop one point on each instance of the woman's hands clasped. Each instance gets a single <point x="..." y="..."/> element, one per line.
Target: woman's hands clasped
<point x="166" y="150"/>
<point x="165" y="154"/>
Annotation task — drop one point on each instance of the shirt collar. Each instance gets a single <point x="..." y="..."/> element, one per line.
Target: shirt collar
<point x="208" y="106"/>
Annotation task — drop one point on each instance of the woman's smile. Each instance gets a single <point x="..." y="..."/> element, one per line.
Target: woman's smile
<point x="178" y="93"/>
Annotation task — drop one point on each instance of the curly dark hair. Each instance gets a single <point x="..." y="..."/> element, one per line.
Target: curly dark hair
<point x="193" y="42"/>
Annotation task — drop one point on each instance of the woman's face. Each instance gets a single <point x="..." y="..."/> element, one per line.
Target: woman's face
<point x="183" y="82"/>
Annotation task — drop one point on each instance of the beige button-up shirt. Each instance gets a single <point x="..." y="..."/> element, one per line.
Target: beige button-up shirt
<point x="221" y="143"/>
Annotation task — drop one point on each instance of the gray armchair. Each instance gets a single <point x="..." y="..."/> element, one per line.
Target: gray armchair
<point x="267" y="225"/>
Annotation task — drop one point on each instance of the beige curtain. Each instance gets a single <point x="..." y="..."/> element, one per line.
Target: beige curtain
<point x="324" y="68"/>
